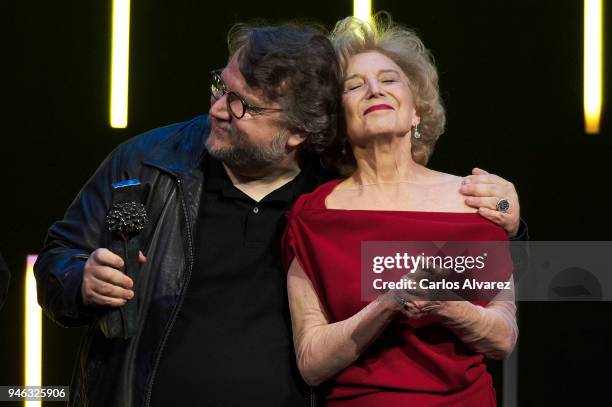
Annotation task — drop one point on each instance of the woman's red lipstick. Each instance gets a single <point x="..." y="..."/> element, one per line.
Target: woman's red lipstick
<point x="377" y="107"/>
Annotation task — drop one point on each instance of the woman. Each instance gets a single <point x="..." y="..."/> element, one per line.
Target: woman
<point x="392" y="351"/>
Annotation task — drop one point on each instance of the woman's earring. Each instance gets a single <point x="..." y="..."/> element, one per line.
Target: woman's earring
<point x="343" y="152"/>
<point x="415" y="131"/>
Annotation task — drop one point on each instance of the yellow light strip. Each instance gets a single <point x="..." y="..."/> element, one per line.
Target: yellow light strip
<point x="362" y="9"/>
<point x="120" y="63"/>
<point x="33" y="332"/>
<point x="592" y="65"/>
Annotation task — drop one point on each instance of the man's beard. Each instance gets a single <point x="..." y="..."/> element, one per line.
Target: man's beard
<point x="243" y="154"/>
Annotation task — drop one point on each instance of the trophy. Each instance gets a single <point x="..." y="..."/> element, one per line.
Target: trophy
<point x="125" y="220"/>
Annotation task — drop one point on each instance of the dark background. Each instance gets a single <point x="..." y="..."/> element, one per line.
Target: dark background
<point x="511" y="77"/>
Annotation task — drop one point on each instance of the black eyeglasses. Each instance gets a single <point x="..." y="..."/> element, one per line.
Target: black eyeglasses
<point x="235" y="103"/>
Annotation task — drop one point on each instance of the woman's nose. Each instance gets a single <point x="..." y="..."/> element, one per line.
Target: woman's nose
<point x="373" y="88"/>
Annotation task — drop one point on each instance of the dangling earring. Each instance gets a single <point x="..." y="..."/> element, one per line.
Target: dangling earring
<point x="415" y="131"/>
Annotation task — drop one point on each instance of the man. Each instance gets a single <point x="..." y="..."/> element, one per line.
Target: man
<point x="214" y="327"/>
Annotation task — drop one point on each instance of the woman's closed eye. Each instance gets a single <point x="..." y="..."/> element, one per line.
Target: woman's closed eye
<point x="389" y="78"/>
<point x="353" y="85"/>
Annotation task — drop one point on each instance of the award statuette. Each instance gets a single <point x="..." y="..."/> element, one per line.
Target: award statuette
<point x="125" y="220"/>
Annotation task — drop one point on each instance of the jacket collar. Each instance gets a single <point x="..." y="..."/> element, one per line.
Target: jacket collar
<point x="183" y="149"/>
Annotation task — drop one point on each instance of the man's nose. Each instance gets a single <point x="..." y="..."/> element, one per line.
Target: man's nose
<point x="218" y="108"/>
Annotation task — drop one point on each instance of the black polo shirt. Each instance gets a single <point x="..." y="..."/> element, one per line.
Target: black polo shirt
<point x="231" y="344"/>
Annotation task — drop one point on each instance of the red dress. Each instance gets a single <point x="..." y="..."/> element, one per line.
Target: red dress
<point x="412" y="363"/>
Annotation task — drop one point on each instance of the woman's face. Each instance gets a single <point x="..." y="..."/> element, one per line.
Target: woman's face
<point x="377" y="100"/>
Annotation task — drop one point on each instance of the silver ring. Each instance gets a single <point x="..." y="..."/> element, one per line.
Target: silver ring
<point x="400" y="300"/>
<point x="502" y="205"/>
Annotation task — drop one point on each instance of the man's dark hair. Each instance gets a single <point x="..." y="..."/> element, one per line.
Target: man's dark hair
<point x="294" y="64"/>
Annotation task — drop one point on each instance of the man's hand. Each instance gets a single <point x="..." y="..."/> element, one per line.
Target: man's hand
<point x="103" y="283"/>
<point x="484" y="190"/>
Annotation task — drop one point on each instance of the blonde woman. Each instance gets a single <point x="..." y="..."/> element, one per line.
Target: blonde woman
<point x="389" y="353"/>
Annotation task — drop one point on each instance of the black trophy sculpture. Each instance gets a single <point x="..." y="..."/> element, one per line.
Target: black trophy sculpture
<point x="125" y="220"/>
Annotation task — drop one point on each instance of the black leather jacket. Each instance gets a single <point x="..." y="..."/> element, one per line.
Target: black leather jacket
<point x="121" y="372"/>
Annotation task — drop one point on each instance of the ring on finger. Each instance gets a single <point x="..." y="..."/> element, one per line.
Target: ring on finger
<point x="503" y="205"/>
<point x="402" y="301"/>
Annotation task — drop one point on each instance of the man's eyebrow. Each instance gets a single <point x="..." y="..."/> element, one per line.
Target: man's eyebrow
<point x="248" y="98"/>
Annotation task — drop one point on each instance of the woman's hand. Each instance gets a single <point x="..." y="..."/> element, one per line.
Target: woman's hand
<point x="419" y="309"/>
<point x="484" y="191"/>
<point x="419" y="302"/>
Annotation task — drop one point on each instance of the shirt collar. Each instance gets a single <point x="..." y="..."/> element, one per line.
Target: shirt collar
<point x="216" y="179"/>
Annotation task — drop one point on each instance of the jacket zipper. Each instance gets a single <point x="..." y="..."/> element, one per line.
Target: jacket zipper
<point x="181" y="298"/>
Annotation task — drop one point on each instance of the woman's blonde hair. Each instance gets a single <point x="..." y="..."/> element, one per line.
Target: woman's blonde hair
<point x="352" y="36"/>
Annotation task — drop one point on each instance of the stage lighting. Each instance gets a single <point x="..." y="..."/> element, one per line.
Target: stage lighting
<point x="33" y="332"/>
<point x="120" y="64"/>
<point x="362" y="9"/>
<point x="592" y="65"/>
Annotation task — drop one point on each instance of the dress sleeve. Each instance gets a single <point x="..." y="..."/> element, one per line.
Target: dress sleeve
<point x="299" y="244"/>
<point x="292" y="243"/>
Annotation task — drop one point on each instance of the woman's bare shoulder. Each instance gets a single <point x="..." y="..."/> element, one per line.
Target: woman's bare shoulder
<point x="447" y="187"/>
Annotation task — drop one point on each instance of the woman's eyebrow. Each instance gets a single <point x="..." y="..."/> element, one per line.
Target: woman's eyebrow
<point x="387" y="71"/>
<point x="356" y="75"/>
<point x="348" y="78"/>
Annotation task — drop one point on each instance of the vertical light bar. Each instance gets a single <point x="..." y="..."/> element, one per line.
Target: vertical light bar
<point x="33" y="332"/>
<point x="592" y="65"/>
<point x="120" y="63"/>
<point x="362" y="9"/>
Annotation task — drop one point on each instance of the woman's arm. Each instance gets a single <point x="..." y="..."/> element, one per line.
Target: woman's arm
<point x="490" y="330"/>
<point x="322" y="348"/>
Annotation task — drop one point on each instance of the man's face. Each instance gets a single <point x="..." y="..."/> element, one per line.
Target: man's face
<point x="252" y="142"/>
